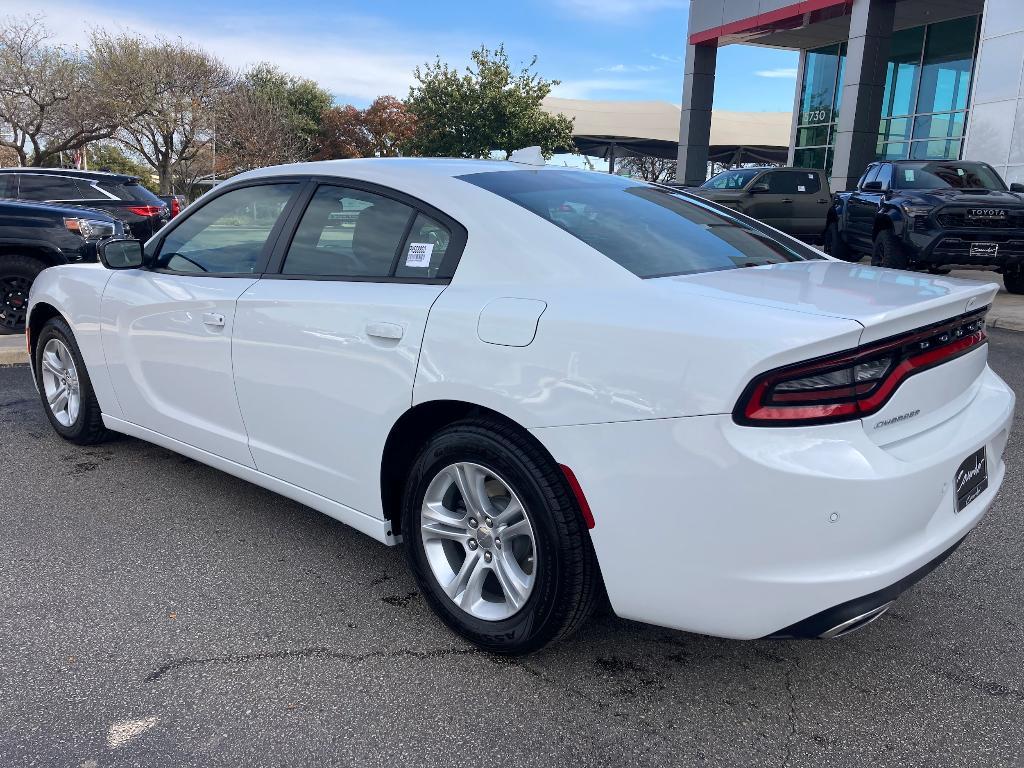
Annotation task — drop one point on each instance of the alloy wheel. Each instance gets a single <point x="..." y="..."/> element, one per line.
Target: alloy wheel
<point x="478" y="541"/>
<point x="60" y="382"/>
<point x="13" y="301"/>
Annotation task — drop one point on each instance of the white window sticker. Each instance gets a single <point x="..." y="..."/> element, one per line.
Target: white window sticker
<point x="801" y="188"/>
<point x="908" y="174"/>
<point x="419" y="254"/>
<point x="810" y="175"/>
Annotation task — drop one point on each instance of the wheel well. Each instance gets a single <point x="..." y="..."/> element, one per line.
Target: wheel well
<point x="407" y="438"/>
<point x="41" y="312"/>
<point x="49" y="258"/>
<point x="882" y="222"/>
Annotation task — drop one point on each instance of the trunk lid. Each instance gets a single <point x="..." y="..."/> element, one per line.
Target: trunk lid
<point x="886" y="302"/>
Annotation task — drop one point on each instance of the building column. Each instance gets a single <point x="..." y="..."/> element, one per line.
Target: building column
<point x="791" y="157"/>
<point x="695" y="120"/>
<point x="867" y="54"/>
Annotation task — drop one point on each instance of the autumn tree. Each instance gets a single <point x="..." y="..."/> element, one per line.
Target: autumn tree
<point x="486" y="107"/>
<point x="55" y="99"/>
<point x="380" y="130"/>
<point x="185" y="84"/>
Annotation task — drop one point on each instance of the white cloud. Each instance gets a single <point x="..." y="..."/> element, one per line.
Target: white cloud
<point x="779" y="72"/>
<point x="619" y="10"/>
<point x="628" y="68"/>
<point x="355" y="58"/>
<point x="586" y="89"/>
<point x="666" y="57"/>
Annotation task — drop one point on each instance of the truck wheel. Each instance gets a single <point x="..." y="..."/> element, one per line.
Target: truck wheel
<point x="889" y="252"/>
<point x="1014" y="281"/>
<point x="834" y="244"/>
<point x="17" y="274"/>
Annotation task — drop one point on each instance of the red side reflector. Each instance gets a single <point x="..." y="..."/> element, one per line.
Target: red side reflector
<point x="588" y="516"/>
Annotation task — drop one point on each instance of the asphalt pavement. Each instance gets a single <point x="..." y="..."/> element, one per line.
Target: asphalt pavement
<point x="156" y="612"/>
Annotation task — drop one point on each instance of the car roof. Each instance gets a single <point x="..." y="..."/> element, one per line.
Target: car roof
<point x="75" y="172"/>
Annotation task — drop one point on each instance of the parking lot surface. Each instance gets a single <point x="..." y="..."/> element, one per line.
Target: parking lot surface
<point x="156" y="612"/>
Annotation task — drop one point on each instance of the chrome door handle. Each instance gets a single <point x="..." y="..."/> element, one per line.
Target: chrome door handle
<point x="786" y="200"/>
<point x="385" y="330"/>
<point x="213" y="319"/>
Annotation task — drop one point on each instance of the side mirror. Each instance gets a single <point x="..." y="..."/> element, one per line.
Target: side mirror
<point x="759" y="188"/>
<point x="872" y="186"/>
<point x="121" y="254"/>
<point x="1017" y="187"/>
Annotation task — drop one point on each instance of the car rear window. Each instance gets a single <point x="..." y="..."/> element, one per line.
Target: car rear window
<point x="131" y="191"/>
<point x="652" y="231"/>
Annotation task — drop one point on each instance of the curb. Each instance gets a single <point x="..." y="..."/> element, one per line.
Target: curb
<point x="13" y="357"/>
<point x="1005" y="323"/>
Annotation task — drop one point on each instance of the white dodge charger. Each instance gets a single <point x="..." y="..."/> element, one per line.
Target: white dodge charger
<point x="551" y="385"/>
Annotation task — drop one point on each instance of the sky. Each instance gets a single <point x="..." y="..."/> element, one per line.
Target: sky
<point x="598" y="49"/>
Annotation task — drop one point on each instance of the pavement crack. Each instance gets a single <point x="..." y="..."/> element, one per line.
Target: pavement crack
<point x="787" y="756"/>
<point x="303" y="653"/>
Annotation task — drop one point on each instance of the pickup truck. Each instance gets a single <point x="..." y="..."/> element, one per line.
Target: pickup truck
<point x="34" y="236"/>
<point x="933" y="215"/>
<point x="793" y="200"/>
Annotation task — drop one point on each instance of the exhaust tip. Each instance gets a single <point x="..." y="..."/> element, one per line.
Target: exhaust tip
<point x="857" y="622"/>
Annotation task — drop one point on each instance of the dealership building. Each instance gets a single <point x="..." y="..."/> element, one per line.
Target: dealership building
<point x="894" y="79"/>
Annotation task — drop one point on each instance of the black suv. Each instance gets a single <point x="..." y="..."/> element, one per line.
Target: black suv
<point x="121" y="196"/>
<point x="34" y="236"/>
<point x="931" y="214"/>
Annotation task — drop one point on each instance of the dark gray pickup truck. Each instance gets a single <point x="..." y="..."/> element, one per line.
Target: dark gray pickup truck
<point x="931" y="215"/>
<point x="793" y="200"/>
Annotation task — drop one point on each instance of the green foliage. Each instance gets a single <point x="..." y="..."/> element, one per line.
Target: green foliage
<point x="109" y="157"/>
<point x="488" y="107"/>
<point x="302" y="101"/>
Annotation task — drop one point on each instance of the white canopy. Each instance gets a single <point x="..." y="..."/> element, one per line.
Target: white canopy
<point x="652" y="128"/>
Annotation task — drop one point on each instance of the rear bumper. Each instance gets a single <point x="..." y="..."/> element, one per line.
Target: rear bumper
<point x="706" y="526"/>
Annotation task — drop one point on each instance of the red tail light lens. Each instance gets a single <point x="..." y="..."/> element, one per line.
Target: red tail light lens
<point x="145" y="210"/>
<point x="175" y="207"/>
<point x="856" y="383"/>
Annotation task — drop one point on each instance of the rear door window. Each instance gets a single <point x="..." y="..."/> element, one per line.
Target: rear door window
<point x="425" y="249"/>
<point x="348" y="233"/>
<point x="651" y="231"/>
<point x="793" y="182"/>
<point x="130" y="191"/>
<point x="42" y="187"/>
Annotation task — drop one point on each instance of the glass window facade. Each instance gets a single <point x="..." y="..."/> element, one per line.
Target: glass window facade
<point x="924" y="107"/>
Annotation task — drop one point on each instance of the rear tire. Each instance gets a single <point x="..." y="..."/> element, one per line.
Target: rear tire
<point x="1014" y="281"/>
<point x="64" y="386"/>
<point x="461" y="564"/>
<point x="889" y="252"/>
<point x="17" y="273"/>
<point x="834" y="245"/>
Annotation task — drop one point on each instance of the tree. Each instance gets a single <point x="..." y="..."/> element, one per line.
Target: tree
<point x="648" y="168"/>
<point x="185" y="84"/>
<point x="488" y="107"/>
<point x="380" y="130"/>
<point x="301" y="102"/>
<point x="255" y="131"/>
<point x="55" y="99"/>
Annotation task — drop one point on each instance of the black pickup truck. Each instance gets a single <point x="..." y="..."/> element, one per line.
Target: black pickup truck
<point x="34" y="236"/>
<point x="934" y="215"/>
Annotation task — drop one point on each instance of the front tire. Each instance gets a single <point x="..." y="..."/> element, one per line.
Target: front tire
<point x="17" y="273"/>
<point x="889" y="251"/>
<point x="1014" y="281"/>
<point x="64" y="386"/>
<point x="496" y="539"/>
<point x="834" y="245"/>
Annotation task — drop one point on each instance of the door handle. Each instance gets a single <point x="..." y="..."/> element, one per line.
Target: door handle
<point x="786" y="200"/>
<point x="385" y="331"/>
<point x="213" y="319"/>
<point x="822" y="202"/>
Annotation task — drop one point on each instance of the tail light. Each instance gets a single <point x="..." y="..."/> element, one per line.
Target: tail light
<point x="145" y="210"/>
<point x="856" y="383"/>
<point x="175" y="207"/>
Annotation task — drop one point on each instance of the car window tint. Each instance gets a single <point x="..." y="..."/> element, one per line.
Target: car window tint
<point x="651" y="231"/>
<point x="731" y="179"/>
<point x="8" y="185"/>
<point x="870" y="175"/>
<point x="131" y="191"/>
<point x="347" y="233"/>
<point x="885" y="175"/>
<point x="947" y="174"/>
<point x="87" y="191"/>
<point x="793" y="182"/>
<point x="424" y="249"/>
<point x="228" y="234"/>
<point x="40" y="187"/>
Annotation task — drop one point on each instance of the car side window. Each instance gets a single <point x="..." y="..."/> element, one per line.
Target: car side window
<point x="347" y="232"/>
<point x="8" y="185"/>
<point x="885" y="175"/>
<point x="88" y="191"/>
<point x="41" y="187"/>
<point x="229" y="234"/>
<point x="869" y="175"/>
<point x="424" y="249"/>
<point x="793" y="182"/>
